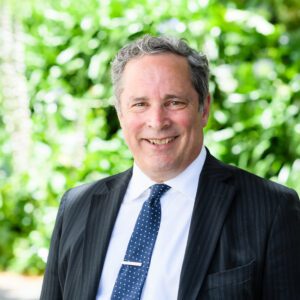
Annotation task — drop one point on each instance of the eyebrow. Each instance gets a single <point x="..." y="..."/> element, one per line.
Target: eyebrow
<point x="166" y="97"/>
<point x="137" y="99"/>
<point x="171" y="96"/>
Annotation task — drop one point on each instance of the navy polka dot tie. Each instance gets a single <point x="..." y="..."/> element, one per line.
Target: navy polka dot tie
<point x="134" y="269"/>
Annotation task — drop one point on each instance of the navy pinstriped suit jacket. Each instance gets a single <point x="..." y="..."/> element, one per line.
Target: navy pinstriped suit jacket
<point x="244" y="239"/>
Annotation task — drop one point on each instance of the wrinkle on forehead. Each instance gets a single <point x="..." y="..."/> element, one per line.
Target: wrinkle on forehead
<point x="158" y="75"/>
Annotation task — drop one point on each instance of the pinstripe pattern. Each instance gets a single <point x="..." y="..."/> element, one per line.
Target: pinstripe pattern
<point x="80" y="239"/>
<point x="244" y="239"/>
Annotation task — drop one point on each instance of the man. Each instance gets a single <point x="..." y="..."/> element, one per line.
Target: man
<point x="222" y="233"/>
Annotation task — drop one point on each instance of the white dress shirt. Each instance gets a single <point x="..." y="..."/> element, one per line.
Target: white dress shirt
<point x="177" y="204"/>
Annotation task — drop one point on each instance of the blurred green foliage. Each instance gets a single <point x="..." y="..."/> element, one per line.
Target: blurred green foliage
<point x="74" y="133"/>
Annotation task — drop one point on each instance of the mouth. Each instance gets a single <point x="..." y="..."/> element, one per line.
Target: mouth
<point x="163" y="141"/>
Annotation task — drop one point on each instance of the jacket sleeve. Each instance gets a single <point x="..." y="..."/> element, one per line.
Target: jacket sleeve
<point x="52" y="288"/>
<point x="281" y="278"/>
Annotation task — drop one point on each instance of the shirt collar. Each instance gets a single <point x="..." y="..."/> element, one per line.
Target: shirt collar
<point x="138" y="184"/>
<point x="187" y="181"/>
<point x="184" y="183"/>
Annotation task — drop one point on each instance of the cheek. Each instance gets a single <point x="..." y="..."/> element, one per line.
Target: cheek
<point x="185" y="122"/>
<point x="131" y="127"/>
<point x="190" y="127"/>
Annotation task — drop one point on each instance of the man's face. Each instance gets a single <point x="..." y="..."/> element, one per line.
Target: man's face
<point x="160" y="116"/>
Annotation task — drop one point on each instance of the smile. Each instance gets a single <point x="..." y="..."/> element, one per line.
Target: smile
<point x="161" y="141"/>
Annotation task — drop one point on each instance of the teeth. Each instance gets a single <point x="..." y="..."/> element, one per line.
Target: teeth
<point x="161" y="141"/>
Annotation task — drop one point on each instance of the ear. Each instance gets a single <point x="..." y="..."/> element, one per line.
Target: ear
<point x="119" y="114"/>
<point x="118" y="110"/>
<point x="205" y="111"/>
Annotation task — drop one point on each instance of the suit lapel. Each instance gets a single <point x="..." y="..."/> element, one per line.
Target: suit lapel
<point x="104" y="207"/>
<point x="212" y="202"/>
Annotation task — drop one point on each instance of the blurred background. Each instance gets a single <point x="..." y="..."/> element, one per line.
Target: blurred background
<point x="58" y="128"/>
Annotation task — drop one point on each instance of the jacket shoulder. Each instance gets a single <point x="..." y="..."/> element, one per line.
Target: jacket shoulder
<point x="248" y="183"/>
<point x="246" y="178"/>
<point x="85" y="191"/>
<point x="253" y="184"/>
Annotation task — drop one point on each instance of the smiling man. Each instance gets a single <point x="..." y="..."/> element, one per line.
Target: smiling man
<point x="160" y="114"/>
<point x="179" y="224"/>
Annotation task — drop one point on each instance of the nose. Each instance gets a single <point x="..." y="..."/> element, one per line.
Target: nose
<point x="158" y="118"/>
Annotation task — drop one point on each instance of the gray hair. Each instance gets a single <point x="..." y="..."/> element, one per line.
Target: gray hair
<point x="149" y="45"/>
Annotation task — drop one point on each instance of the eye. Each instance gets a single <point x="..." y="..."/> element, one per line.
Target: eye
<point x="139" y="106"/>
<point x="176" y="104"/>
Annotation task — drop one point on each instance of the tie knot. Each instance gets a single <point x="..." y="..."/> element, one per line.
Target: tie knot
<point x="157" y="190"/>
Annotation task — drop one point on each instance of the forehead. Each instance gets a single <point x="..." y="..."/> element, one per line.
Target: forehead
<point x="157" y="77"/>
<point x="156" y="69"/>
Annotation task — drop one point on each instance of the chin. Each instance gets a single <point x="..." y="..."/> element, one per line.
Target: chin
<point x="165" y="170"/>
